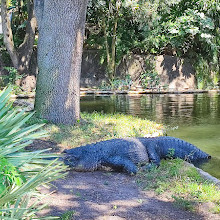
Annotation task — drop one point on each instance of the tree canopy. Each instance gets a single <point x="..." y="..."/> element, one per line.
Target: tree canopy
<point x="183" y="28"/>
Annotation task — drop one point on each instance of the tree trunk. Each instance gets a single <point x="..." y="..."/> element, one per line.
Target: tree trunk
<point x="113" y="14"/>
<point x="107" y="49"/>
<point x="106" y="40"/>
<point x="61" y="31"/>
<point x="25" y="50"/>
<point x="21" y="56"/>
<point x="113" y="64"/>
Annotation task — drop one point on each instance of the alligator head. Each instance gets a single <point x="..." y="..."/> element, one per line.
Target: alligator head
<point x="79" y="159"/>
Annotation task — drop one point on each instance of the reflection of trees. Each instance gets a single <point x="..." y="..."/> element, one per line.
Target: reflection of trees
<point x="179" y="107"/>
<point x="122" y="103"/>
<point x="136" y="106"/>
<point x="92" y="103"/>
<point x="206" y="108"/>
<point x="105" y="103"/>
<point x="168" y="109"/>
<point x="163" y="108"/>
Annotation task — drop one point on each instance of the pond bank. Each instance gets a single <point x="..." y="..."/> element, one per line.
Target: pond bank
<point x="206" y="175"/>
<point x="136" y="92"/>
<point x="89" y="91"/>
<point x="104" y="195"/>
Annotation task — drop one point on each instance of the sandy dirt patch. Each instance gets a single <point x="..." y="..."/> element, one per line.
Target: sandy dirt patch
<point x="104" y="195"/>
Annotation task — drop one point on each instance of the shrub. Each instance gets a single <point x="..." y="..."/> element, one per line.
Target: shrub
<point x="21" y="171"/>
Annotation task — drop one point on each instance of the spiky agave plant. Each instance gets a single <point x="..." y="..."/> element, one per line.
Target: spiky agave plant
<point x="28" y="169"/>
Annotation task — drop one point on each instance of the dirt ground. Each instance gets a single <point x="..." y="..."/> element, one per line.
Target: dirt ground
<point x="103" y="195"/>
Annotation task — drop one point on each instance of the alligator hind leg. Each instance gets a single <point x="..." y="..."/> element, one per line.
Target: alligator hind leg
<point x="153" y="155"/>
<point x="118" y="162"/>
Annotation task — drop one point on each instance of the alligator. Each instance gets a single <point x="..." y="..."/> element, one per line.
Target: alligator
<point x="127" y="153"/>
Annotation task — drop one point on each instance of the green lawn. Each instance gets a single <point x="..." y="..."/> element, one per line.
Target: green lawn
<point x="98" y="127"/>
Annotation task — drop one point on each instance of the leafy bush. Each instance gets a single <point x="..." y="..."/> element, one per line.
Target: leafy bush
<point x="117" y="84"/>
<point x="185" y="28"/>
<point x="150" y="78"/>
<point x="11" y="78"/>
<point x="21" y="171"/>
<point x="12" y="75"/>
<point x="9" y="175"/>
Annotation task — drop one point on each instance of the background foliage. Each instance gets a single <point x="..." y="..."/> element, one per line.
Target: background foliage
<point x="186" y="28"/>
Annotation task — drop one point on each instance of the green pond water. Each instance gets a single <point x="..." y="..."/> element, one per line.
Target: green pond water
<point x="192" y="117"/>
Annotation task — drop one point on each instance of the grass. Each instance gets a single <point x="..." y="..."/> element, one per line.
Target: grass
<point x="182" y="183"/>
<point x="98" y="127"/>
<point x="68" y="215"/>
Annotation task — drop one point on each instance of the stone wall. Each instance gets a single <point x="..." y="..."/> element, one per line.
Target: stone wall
<point x="174" y="73"/>
<point x="93" y="73"/>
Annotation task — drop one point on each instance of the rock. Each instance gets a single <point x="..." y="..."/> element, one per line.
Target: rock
<point x="28" y="83"/>
<point x="27" y="106"/>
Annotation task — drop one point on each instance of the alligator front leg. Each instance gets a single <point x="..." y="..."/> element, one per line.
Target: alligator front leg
<point x="118" y="162"/>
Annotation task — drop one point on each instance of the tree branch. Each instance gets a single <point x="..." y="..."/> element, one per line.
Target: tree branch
<point x="7" y="33"/>
<point x="106" y="41"/>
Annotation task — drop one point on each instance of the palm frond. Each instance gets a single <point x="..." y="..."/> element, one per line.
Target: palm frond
<point x="34" y="166"/>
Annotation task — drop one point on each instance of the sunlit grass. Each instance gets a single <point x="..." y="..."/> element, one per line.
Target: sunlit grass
<point x="182" y="183"/>
<point x="98" y="127"/>
<point x="68" y="215"/>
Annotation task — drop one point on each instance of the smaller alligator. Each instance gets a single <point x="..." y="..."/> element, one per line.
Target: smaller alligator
<point x="127" y="153"/>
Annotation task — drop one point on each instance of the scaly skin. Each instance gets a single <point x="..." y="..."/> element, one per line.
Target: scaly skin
<point x="164" y="147"/>
<point x="127" y="153"/>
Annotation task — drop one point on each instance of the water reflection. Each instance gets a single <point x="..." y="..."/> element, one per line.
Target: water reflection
<point x="197" y="117"/>
<point x="167" y="109"/>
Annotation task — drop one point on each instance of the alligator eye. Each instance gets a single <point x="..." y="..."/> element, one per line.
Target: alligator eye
<point x="75" y="157"/>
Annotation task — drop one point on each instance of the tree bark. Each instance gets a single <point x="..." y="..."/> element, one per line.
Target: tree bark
<point x="61" y="32"/>
<point x="106" y="47"/>
<point x="113" y="14"/>
<point x="114" y="34"/>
